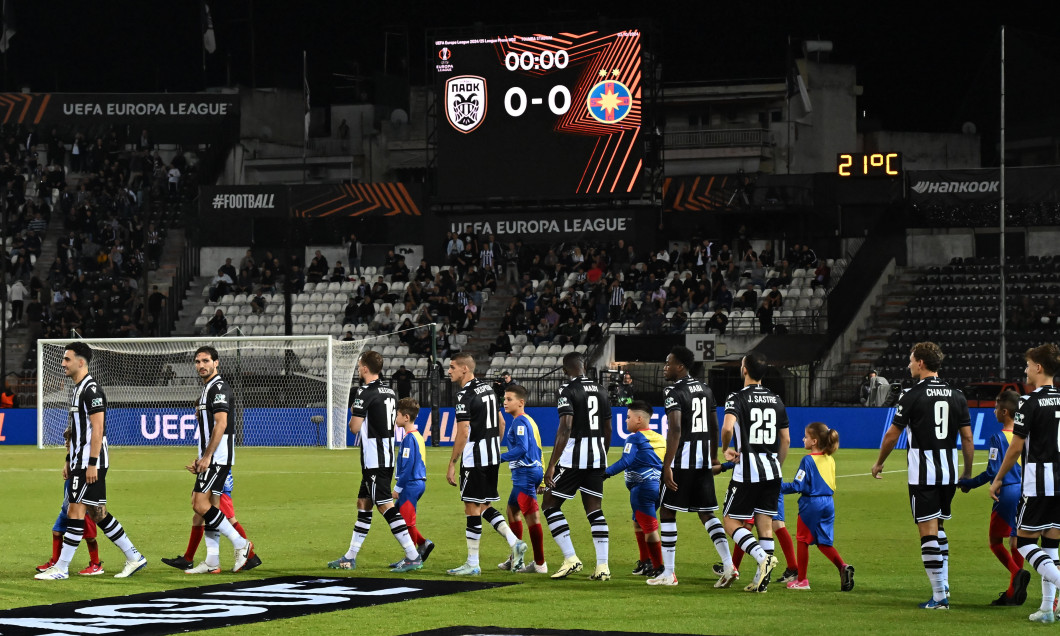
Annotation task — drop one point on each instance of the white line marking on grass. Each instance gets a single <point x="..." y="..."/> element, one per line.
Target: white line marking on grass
<point x="886" y="472"/>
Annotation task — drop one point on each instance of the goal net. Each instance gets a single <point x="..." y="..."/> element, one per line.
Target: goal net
<point x="289" y="390"/>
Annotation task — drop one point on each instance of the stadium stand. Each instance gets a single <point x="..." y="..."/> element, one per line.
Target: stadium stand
<point x="957" y="306"/>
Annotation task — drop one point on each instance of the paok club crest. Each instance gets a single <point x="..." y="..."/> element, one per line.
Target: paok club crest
<point x="465" y="102"/>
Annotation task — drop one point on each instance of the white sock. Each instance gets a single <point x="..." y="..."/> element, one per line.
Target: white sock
<point x="360" y="533"/>
<point x="601" y="540"/>
<point x="212" y="538"/>
<point x="721" y="543"/>
<point x="668" y="532"/>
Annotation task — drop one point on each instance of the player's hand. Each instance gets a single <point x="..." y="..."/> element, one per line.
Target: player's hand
<point x="394" y="495"/>
<point x="450" y="475"/>
<point x="549" y="482"/>
<point x="91" y="474"/>
<point x="876" y="470"/>
<point x="995" y="486"/>
<point x="202" y="465"/>
<point x="965" y="485"/>
<point x="668" y="478"/>
<point x="541" y="489"/>
<point x="730" y="454"/>
<point x="190" y="467"/>
<point x="66" y="471"/>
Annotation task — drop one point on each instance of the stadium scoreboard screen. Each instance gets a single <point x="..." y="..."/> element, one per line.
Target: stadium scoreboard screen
<point x="539" y="115"/>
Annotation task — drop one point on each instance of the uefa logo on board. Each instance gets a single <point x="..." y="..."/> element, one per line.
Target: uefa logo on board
<point x="445" y="53"/>
<point x="465" y="102"/>
<point x="609" y="101"/>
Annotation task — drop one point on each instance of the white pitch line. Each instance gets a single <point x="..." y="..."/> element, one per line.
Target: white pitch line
<point x="892" y="471"/>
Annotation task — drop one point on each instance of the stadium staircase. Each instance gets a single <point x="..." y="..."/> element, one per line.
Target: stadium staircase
<point x="18" y="345"/>
<point x="484" y="334"/>
<point x="873" y="337"/>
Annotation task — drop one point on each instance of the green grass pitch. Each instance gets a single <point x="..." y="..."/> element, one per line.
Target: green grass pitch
<point x="298" y="506"/>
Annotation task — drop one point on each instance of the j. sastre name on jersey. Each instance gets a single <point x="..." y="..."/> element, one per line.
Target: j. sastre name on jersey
<point x="213" y="606"/>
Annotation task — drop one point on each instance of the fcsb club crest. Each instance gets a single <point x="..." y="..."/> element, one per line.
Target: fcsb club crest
<point x="609" y="101"/>
<point x="465" y="102"/>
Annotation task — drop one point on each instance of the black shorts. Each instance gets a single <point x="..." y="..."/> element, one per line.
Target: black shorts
<point x="1036" y="514"/>
<point x="478" y="484"/>
<point x="930" y="502"/>
<point x="695" y="491"/>
<point x="375" y="485"/>
<point x="213" y="480"/>
<point x="743" y="500"/>
<point x="570" y="480"/>
<point x="83" y="492"/>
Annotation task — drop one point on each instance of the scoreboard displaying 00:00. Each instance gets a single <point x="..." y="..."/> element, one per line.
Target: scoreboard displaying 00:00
<point x="539" y="116"/>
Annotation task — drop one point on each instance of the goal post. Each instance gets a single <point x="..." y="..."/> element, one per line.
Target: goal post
<point x="289" y="390"/>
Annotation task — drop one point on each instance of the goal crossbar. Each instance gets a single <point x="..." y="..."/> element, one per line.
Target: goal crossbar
<point x="290" y="390"/>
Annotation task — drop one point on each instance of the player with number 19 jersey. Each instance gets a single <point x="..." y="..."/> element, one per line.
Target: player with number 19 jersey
<point x="933" y="412"/>
<point x="760" y="414"/>
<point x="476" y="404"/>
<point x="582" y="399"/>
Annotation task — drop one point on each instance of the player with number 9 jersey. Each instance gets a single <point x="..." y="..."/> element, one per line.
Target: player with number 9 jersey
<point x="933" y="412"/>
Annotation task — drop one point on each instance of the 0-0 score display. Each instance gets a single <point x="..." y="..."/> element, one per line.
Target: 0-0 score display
<point x="545" y="115"/>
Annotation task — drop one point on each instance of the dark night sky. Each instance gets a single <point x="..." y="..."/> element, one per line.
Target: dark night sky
<point x="929" y="66"/>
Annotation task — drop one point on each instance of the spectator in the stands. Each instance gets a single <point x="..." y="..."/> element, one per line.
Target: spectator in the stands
<point x="379" y="290"/>
<point x="348" y="336"/>
<point x="718" y="322"/>
<point x="295" y="281"/>
<point x="349" y="312"/>
<point x="678" y="322"/>
<point x="822" y="276"/>
<point x="218" y="325"/>
<point x="400" y="271"/>
<point x="542" y="332"/>
<point x="338" y="273"/>
<point x="423" y="272"/>
<point x="724" y="258"/>
<point x="653" y="323"/>
<point x="229" y="268"/>
<point x="268" y="280"/>
<point x="219" y="285"/>
<point x="749" y="298"/>
<point x="776" y="299"/>
<point x="765" y="317"/>
<point x="807" y="258"/>
<point x="767" y="257"/>
<point x="244" y="282"/>
<point x="794" y="254"/>
<point x="363" y="288"/>
<point x="568" y="332"/>
<point x="594" y="334"/>
<point x="258" y="302"/>
<point x="316" y="271"/>
<point x="502" y="345"/>
<point x="365" y="312"/>
<point x="353" y="249"/>
<point x="782" y="277"/>
<point x="723" y="298"/>
<point x="629" y="312"/>
<point x="383" y="321"/>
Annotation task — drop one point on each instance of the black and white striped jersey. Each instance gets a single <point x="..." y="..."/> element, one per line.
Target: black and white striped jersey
<point x="1038" y="423"/>
<point x="87" y="399"/>
<point x="933" y="412"/>
<point x="377" y="404"/>
<point x="695" y="402"/>
<point x="760" y="416"/>
<point x="476" y="404"/>
<point x="582" y="399"/>
<point x="217" y="397"/>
